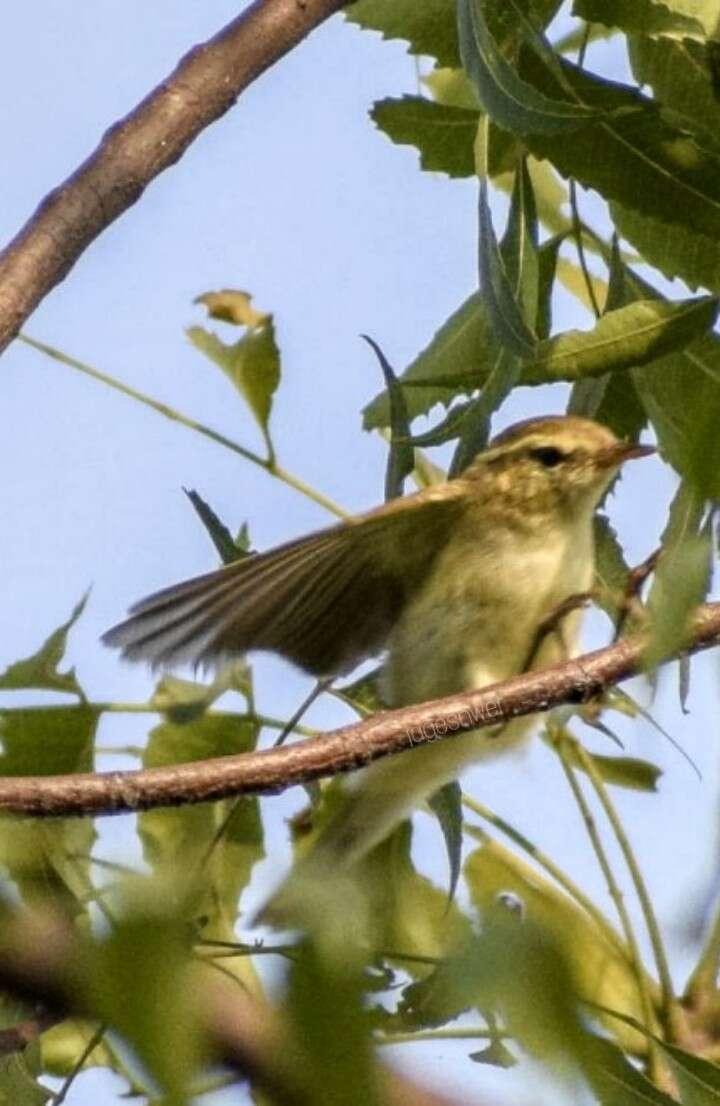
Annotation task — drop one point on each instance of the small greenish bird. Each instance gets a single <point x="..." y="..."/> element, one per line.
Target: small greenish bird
<point x="453" y="582"/>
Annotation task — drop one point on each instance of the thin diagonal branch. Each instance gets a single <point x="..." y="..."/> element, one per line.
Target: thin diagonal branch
<point x="205" y="84"/>
<point x="384" y="734"/>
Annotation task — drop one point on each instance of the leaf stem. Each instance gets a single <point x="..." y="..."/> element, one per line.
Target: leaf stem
<point x="577" y="235"/>
<point x="472" y="1033"/>
<point x="561" y="746"/>
<point x="269" y="464"/>
<point x="651" y="922"/>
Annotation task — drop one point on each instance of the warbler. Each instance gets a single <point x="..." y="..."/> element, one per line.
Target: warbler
<point x="453" y="582"/>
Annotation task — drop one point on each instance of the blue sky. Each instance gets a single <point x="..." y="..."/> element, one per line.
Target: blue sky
<point x="296" y="197"/>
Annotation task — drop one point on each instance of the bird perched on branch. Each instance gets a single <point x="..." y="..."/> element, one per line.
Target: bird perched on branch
<point x="453" y="582"/>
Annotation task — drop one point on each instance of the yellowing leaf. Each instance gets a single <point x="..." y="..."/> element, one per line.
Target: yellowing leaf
<point x="232" y="307"/>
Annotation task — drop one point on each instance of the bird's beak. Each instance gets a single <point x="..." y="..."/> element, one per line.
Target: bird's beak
<point x="622" y="452"/>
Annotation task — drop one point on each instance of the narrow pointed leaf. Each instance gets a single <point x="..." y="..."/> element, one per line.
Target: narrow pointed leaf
<point x="228" y="549"/>
<point x="446" y="805"/>
<point x="506" y="315"/>
<point x="41" y="670"/>
<point x="401" y="460"/>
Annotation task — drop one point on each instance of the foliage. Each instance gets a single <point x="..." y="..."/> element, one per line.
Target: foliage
<point x="514" y="102"/>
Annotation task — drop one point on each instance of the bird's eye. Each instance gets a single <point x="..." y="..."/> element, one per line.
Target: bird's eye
<point x="548" y="455"/>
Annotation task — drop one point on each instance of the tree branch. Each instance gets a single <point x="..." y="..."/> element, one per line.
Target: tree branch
<point x="384" y="734"/>
<point x="205" y="84"/>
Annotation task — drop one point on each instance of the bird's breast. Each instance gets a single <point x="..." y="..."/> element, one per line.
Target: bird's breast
<point x="476" y="618"/>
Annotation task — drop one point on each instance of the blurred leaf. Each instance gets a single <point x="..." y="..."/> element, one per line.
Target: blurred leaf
<point x="446" y="805"/>
<point x="682" y="577"/>
<point x="62" y="1045"/>
<point x="184" y="700"/>
<point x="428" y="28"/>
<point x="647" y="17"/>
<point x="232" y="306"/>
<point x="511" y="102"/>
<point x="497" y="1055"/>
<point x="139" y="983"/>
<point x="18" y="1083"/>
<point x="252" y="364"/>
<point x="630" y="772"/>
<point x="443" y="135"/>
<point x="179" y="842"/>
<point x="401" y="459"/>
<point x="325" y="1005"/>
<point x="40" y="671"/>
<point x="228" y="548"/>
<point x="452" y="88"/>
<point x="49" y="858"/>
<point x="602" y="971"/>
<point x="363" y="694"/>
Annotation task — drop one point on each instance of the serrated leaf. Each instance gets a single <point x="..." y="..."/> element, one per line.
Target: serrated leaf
<point x="446" y="805"/>
<point x="511" y="102"/>
<point x="228" y="548"/>
<point x="611" y="569"/>
<point x="646" y="17"/>
<point x="41" y="670"/>
<point x="428" y="28"/>
<point x="443" y="135"/>
<point x="615" y="1081"/>
<point x="232" y="306"/>
<point x="631" y="336"/>
<point x="252" y="364"/>
<point x="633" y="155"/>
<point x="680" y="74"/>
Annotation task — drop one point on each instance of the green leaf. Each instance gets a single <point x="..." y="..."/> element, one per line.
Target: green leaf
<point x="446" y="805"/>
<point x="228" y="548"/>
<point x="683" y="575"/>
<point x="41" y="670"/>
<point x="505" y="312"/>
<point x="18" y="1082"/>
<point x="444" y="136"/>
<point x="139" y="983"/>
<point x="698" y="1079"/>
<point x="511" y="102"/>
<point x="461" y="351"/>
<point x="428" y="28"/>
<point x="179" y="842"/>
<point x="615" y="1081"/>
<point x="364" y="695"/>
<point x="252" y="363"/>
<point x="646" y="17"/>
<point x="452" y="88"/>
<point x="601" y="968"/>
<point x="182" y="701"/>
<point x="629" y="772"/>
<point x="633" y="155"/>
<point x="631" y="336"/>
<point x="680" y="75"/>
<point x="401" y="458"/>
<point x="325" y="1003"/>
<point x="611" y="569"/>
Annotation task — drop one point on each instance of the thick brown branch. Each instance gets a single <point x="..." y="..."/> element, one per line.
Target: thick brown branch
<point x="135" y="150"/>
<point x="343" y="750"/>
<point x="44" y="962"/>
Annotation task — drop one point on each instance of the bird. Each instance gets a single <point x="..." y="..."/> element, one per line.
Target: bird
<point x="451" y="583"/>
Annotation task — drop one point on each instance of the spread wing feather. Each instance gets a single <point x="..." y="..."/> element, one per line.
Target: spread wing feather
<point x="325" y="601"/>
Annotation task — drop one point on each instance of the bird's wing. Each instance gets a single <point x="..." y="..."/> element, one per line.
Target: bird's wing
<point x="325" y="601"/>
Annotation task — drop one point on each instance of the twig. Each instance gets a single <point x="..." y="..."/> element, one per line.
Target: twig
<point x="389" y="732"/>
<point x="205" y="84"/>
<point x="269" y="464"/>
<point x="78" y="1065"/>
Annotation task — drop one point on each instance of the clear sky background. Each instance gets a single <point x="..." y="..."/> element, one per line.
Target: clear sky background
<point x="296" y="197"/>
